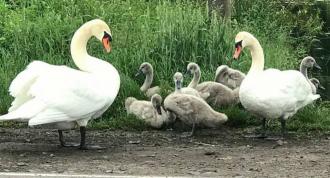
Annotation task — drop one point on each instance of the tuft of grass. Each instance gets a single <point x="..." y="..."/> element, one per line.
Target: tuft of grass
<point x="314" y="117"/>
<point x="238" y="117"/>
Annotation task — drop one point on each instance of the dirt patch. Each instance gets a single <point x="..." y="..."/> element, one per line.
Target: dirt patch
<point x="222" y="152"/>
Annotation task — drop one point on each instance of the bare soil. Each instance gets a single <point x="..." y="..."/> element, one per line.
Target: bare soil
<point x="223" y="152"/>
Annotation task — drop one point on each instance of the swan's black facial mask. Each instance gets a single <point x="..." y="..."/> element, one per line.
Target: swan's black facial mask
<point x="106" y="40"/>
<point x="238" y="44"/>
<point x="107" y="35"/>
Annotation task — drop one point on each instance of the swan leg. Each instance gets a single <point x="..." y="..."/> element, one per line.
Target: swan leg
<point x="62" y="142"/>
<point x="283" y="131"/>
<point x="192" y="133"/>
<point x="83" y="145"/>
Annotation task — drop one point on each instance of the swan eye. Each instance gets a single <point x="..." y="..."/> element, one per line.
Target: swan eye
<point x="238" y="44"/>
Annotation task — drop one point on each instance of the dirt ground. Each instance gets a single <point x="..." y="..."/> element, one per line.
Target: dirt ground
<point x="223" y="152"/>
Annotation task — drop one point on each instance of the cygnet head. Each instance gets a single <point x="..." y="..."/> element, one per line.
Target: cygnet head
<point x="192" y="68"/>
<point x="234" y="75"/>
<point x="144" y="68"/>
<point x="156" y="101"/>
<point x="310" y="62"/>
<point x="178" y="79"/>
<point x="221" y="69"/>
<point x="317" y="83"/>
<point x="129" y="101"/>
<point x="221" y="73"/>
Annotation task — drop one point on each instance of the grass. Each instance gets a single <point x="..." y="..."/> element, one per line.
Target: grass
<point x="164" y="33"/>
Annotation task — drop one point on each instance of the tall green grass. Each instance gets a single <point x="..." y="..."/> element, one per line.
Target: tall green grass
<point x="167" y="34"/>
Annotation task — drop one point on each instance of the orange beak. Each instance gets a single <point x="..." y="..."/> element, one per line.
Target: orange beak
<point x="238" y="51"/>
<point x="106" y="44"/>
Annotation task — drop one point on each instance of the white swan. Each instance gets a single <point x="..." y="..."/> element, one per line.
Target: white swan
<point x="271" y="93"/>
<point x="151" y="111"/>
<point x="230" y="77"/>
<point x="212" y="92"/>
<point x="147" y="69"/>
<point x="59" y="95"/>
<point x="309" y="62"/>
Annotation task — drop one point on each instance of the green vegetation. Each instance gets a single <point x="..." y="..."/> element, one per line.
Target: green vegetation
<point x="167" y="34"/>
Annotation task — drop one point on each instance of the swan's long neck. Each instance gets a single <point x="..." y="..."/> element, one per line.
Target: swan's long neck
<point x="303" y="70"/>
<point x="148" y="81"/>
<point x="79" y="54"/>
<point x="257" y="54"/>
<point x="194" y="82"/>
<point x="78" y="47"/>
<point x="220" y="76"/>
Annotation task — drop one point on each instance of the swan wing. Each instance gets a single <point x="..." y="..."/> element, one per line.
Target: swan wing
<point x="274" y="93"/>
<point x="77" y="94"/>
<point x="181" y="104"/>
<point x="56" y="93"/>
<point x="19" y="87"/>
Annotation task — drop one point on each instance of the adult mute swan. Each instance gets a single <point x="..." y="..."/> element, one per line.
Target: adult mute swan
<point x="147" y="69"/>
<point x="270" y="93"/>
<point x="64" y="97"/>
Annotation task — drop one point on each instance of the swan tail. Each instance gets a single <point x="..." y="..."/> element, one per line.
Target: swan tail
<point x="223" y="118"/>
<point x="24" y="112"/>
<point x="48" y="116"/>
<point x="11" y="117"/>
<point x="23" y="81"/>
<point x="315" y="97"/>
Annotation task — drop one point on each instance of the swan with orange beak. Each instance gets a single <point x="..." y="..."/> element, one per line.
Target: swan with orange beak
<point x="271" y="93"/>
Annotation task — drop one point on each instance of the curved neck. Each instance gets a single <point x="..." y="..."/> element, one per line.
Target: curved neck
<point x="303" y="70"/>
<point x="194" y="82"/>
<point x="257" y="54"/>
<point x="78" y="47"/>
<point x="79" y="54"/>
<point x="147" y="82"/>
<point x="218" y="76"/>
